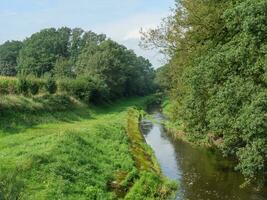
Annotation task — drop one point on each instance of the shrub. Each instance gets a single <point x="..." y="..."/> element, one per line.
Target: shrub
<point x="23" y="86"/>
<point x="8" y="85"/>
<point x="51" y="86"/>
<point x="34" y="87"/>
<point x="87" y="89"/>
<point x="30" y="85"/>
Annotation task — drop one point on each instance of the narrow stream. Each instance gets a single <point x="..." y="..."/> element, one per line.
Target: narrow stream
<point x="202" y="173"/>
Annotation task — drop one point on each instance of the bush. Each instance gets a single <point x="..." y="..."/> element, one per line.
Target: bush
<point x="23" y="86"/>
<point x="75" y="87"/>
<point x="34" y="87"/>
<point x="30" y="85"/>
<point x="8" y="85"/>
<point x="87" y="89"/>
<point x="51" y="86"/>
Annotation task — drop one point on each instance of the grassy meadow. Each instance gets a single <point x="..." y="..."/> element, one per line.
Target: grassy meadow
<point x="55" y="147"/>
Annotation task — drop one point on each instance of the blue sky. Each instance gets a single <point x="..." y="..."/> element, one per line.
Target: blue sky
<point x="121" y="20"/>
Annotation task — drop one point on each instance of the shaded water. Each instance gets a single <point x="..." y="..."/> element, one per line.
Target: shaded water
<point x="202" y="173"/>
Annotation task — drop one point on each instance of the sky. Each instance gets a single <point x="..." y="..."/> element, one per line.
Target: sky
<point x="120" y="20"/>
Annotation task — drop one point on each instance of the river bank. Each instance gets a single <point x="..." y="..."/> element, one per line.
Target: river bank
<point x="202" y="172"/>
<point x="227" y="148"/>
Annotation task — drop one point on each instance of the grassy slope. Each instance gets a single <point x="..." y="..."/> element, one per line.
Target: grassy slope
<point x="68" y="152"/>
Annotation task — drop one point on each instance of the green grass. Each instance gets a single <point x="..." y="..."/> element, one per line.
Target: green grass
<point x="54" y="147"/>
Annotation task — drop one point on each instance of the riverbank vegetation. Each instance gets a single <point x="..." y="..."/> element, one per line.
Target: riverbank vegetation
<point x="57" y="147"/>
<point x="216" y="76"/>
<point x="177" y="130"/>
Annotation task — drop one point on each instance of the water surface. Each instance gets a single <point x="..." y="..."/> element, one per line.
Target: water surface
<point x="202" y="173"/>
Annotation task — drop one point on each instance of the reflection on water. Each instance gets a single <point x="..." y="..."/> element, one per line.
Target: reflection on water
<point x="203" y="174"/>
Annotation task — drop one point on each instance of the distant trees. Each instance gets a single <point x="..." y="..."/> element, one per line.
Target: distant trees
<point x="9" y="52"/>
<point x="217" y="74"/>
<point x="44" y="49"/>
<point x="124" y="72"/>
<point x="162" y="78"/>
<point x="83" y="58"/>
<point x="41" y="51"/>
<point x="63" y="68"/>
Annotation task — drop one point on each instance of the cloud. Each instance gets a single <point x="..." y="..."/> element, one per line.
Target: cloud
<point x="129" y="28"/>
<point x="127" y="32"/>
<point x="134" y="34"/>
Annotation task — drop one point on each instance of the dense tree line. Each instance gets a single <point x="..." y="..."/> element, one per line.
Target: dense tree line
<point x="86" y="63"/>
<point x="218" y="74"/>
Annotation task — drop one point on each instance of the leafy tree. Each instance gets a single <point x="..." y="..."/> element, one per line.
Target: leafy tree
<point x="217" y="73"/>
<point x="104" y="60"/>
<point x="123" y="72"/>
<point x="162" y="78"/>
<point x="42" y="49"/>
<point x="79" y="39"/>
<point x="47" y="48"/>
<point x="8" y="57"/>
<point x="63" y="69"/>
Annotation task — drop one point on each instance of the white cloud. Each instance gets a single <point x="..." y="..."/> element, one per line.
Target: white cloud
<point x="135" y="34"/>
<point x="129" y="28"/>
<point x="127" y="32"/>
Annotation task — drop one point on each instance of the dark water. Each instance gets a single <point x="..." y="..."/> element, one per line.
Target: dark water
<point x="202" y="174"/>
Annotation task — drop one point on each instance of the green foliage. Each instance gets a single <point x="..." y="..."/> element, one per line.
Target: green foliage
<point x="29" y="85"/>
<point x="8" y="85"/>
<point x="20" y="112"/>
<point x="37" y="61"/>
<point x="81" y="38"/>
<point x="63" y="68"/>
<point x="23" y="86"/>
<point x="150" y="187"/>
<point x="59" y="52"/>
<point x="10" y="186"/>
<point x="87" y="89"/>
<point x="9" y="52"/>
<point x="34" y="88"/>
<point x="51" y="85"/>
<point x="162" y="78"/>
<point x="217" y="74"/>
<point x="74" y="56"/>
<point x="124" y="73"/>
